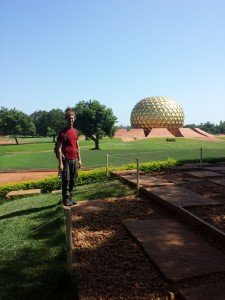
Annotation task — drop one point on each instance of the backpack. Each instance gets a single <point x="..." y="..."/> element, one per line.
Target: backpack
<point x="55" y="150"/>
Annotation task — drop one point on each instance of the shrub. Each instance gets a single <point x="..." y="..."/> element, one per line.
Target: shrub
<point x="158" y="165"/>
<point x="171" y="140"/>
<point x="49" y="184"/>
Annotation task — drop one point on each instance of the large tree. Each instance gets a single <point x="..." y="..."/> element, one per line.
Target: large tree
<point x="48" y="122"/>
<point x="94" y="120"/>
<point x="14" y="122"/>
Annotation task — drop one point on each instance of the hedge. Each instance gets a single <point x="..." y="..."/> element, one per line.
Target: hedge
<point x="49" y="184"/>
<point x="89" y="176"/>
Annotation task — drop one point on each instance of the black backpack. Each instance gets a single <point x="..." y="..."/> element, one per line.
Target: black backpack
<point x="55" y="150"/>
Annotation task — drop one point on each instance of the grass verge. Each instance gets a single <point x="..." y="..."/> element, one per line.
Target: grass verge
<point x="32" y="245"/>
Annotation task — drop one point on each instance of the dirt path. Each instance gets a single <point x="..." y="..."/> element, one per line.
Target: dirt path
<point x="25" y="176"/>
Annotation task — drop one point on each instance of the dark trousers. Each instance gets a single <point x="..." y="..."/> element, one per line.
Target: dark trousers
<point x="69" y="175"/>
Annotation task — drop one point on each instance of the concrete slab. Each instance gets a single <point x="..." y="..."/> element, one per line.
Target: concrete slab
<point x="192" y="180"/>
<point x="126" y="172"/>
<point x="22" y="193"/>
<point x="220" y="181"/>
<point x="56" y="192"/>
<point x="189" y="167"/>
<point x="215" y="291"/>
<point x="88" y="206"/>
<point x="216" y="169"/>
<point x="145" y="180"/>
<point x="176" y="196"/>
<point x="176" y="250"/>
<point x="202" y="174"/>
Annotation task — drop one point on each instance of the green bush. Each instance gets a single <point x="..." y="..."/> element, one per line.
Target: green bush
<point x="97" y="175"/>
<point x="158" y="165"/>
<point x="49" y="184"/>
<point x="171" y="140"/>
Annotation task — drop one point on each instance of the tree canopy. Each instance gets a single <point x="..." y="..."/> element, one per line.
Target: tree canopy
<point x="209" y="127"/>
<point x="48" y="122"/>
<point x="14" y="122"/>
<point x="94" y="120"/>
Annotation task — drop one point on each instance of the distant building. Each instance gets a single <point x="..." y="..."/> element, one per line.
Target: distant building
<point x="157" y="112"/>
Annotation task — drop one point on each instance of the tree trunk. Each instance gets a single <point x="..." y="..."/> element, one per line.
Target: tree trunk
<point x="17" y="143"/>
<point x="97" y="144"/>
<point x="96" y="140"/>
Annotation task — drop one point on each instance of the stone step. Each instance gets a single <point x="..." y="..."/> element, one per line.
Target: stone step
<point x="145" y="180"/>
<point x="202" y="174"/>
<point x="177" y="251"/>
<point x="220" y="181"/>
<point x="174" y="196"/>
<point x="216" y="169"/>
<point x="22" y="193"/>
<point x="56" y="192"/>
<point x="89" y="206"/>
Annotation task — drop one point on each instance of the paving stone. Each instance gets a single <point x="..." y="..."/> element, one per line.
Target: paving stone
<point x="202" y="174"/>
<point x="189" y="167"/>
<point x="176" y="250"/>
<point x="21" y="193"/>
<point x="126" y="172"/>
<point x="215" y="291"/>
<point x="220" y="181"/>
<point x="56" y="192"/>
<point x="84" y="207"/>
<point x="192" y="180"/>
<point x="179" y="196"/>
<point x="215" y="169"/>
<point x="145" y="180"/>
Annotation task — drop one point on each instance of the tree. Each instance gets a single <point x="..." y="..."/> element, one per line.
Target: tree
<point x="14" y="122"/>
<point x="47" y="122"/>
<point x="221" y="127"/>
<point x="209" y="127"/>
<point x="94" y="120"/>
<point x="190" y="126"/>
<point x="40" y="120"/>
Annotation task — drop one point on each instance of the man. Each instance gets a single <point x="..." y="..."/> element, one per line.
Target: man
<point x="68" y="153"/>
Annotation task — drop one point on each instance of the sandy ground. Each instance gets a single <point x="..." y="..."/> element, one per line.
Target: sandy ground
<point x="25" y="176"/>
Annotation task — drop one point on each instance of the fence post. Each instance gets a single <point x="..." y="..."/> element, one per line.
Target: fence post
<point x="69" y="243"/>
<point x="107" y="165"/>
<point x="138" y="167"/>
<point x="201" y="156"/>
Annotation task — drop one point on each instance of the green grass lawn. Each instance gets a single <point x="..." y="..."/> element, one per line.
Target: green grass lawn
<point x="32" y="244"/>
<point x="41" y="156"/>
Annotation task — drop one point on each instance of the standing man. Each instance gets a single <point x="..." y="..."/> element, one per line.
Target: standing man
<point x="68" y="154"/>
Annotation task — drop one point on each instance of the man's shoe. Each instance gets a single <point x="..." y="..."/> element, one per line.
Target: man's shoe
<point x="73" y="201"/>
<point x="68" y="202"/>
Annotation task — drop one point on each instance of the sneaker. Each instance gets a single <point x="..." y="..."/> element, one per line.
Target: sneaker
<point x="73" y="201"/>
<point x="67" y="202"/>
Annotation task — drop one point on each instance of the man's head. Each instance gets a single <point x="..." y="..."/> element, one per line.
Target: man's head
<point x="70" y="116"/>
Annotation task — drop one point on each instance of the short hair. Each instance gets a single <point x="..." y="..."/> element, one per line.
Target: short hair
<point x="69" y="111"/>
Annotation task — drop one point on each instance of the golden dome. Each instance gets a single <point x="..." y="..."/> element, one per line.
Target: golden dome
<point x="157" y="112"/>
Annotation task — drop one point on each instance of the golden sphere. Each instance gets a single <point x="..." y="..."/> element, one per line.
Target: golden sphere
<point x="157" y="112"/>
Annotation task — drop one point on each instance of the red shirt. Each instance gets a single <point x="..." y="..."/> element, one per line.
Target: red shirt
<point x="69" y="138"/>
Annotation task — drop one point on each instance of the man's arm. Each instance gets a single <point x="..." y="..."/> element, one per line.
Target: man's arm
<point x="79" y="157"/>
